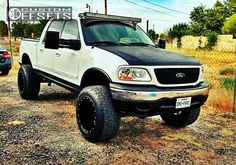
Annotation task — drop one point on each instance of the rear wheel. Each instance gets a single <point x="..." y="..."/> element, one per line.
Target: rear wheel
<point x="96" y="117"/>
<point x="5" y="72"/>
<point x="28" y="83"/>
<point x="182" y="118"/>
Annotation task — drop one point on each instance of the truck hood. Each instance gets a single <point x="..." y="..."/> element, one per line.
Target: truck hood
<point x="148" y="55"/>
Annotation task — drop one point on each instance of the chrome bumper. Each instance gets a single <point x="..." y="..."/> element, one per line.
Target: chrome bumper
<point x="133" y="95"/>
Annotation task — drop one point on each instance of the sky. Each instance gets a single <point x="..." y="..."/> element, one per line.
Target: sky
<point x="160" y="19"/>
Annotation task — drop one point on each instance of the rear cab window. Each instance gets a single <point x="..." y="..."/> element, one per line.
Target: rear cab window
<point x="56" y="26"/>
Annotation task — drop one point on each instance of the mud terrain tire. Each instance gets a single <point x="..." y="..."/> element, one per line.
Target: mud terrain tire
<point x="96" y="117"/>
<point x="181" y="119"/>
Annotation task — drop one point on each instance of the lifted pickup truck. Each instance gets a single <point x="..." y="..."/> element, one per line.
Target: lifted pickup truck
<point x="117" y="71"/>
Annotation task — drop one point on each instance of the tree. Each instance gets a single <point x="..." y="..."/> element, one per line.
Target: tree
<point x="38" y="28"/>
<point x="29" y="29"/>
<point x="214" y="20"/>
<point x="211" y="40"/>
<point x="216" y="16"/>
<point x="3" y="29"/>
<point x="198" y="20"/>
<point x="230" y="26"/>
<point x="178" y="31"/>
<point x="25" y="29"/>
<point x="18" y="29"/>
<point x="152" y="34"/>
<point x="205" y="20"/>
<point x="231" y="6"/>
<point x="162" y="36"/>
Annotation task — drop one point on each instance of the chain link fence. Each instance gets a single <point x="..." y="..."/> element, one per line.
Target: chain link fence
<point x="219" y="65"/>
<point x="219" y="68"/>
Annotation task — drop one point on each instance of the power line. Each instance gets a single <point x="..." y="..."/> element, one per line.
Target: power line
<point x="129" y="12"/>
<point x="149" y="8"/>
<point x="152" y="19"/>
<point x="44" y="5"/>
<point x="32" y="3"/>
<point x="164" y="20"/>
<point x="165" y="7"/>
<point x="3" y="4"/>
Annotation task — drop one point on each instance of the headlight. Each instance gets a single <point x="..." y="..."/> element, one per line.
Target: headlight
<point x="133" y="74"/>
<point x="202" y="74"/>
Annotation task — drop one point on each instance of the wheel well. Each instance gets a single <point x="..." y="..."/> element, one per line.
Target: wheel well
<point x="94" y="77"/>
<point x="26" y="59"/>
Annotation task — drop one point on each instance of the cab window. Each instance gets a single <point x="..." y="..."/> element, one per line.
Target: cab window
<point x="71" y="30"/>
<point x="56" y="26"/>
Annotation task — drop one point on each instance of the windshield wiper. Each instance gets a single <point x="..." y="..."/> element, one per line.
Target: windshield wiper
<point x="140" y="44"/>
<point x="108" y="43"/>
<point x="104" y="43"/>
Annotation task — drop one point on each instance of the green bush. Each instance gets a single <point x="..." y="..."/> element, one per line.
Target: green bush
<point x="162" y="36"/>
<point x="211" y="40"/>
<point x="230" y="25"/>
<point x="228" y="71"/>
<point x="228" y="83"/>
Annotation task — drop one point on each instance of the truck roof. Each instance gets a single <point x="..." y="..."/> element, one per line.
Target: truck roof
<point x="96" y="16"/>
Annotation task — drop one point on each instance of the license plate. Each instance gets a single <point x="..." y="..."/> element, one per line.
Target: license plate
<point x="183" y="102"/>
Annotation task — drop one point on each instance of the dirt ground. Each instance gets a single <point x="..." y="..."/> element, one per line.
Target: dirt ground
<point x="45" y="132"/>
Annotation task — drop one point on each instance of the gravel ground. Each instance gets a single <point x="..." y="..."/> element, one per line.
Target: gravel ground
<point x="45" y="132"/>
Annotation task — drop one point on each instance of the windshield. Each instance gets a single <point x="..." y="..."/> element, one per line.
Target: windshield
<point x="113" y="33"/>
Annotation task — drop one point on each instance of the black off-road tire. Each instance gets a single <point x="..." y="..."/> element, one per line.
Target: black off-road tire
<point x="5" y="72"/>
<point x="28" y="83"/>
<point x="96" y="117"/>
<point x="181" y="119"/>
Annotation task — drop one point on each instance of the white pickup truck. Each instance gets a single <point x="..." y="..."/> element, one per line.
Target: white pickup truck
<point x="117" y="71"/>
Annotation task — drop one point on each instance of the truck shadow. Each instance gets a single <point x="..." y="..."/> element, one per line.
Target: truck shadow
<point x="57" y="96"/>
<point x="134" y="127"/>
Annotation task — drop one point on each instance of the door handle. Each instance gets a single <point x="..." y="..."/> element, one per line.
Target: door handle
<point x="58" y="54"/>
<point x="41" y="50"/>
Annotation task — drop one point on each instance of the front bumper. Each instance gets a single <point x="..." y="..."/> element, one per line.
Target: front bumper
<point x="132" y="93"/>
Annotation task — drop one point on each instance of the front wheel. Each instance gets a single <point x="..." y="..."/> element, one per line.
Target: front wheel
<point x="96" y="117"/>
<point x="182" y="118"/>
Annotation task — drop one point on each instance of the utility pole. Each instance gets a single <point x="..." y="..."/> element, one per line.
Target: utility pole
<point x="88" y="6"/>
<point x="234" y="101"/>
<point x="9" y="26"/>
<point x="105" y="7"/>
<point x="147" y="25"/>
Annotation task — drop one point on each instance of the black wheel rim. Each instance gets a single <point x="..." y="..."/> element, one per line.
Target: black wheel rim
<point x="178" y="113"/>
<point x="21" y="83"/>
<point x="86" y="114"/>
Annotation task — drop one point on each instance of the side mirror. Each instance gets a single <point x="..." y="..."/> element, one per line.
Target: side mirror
<point x="162" y="44"/>
<point x="70" y="44"/>
<point x="75" y="44"/>
<point x="52" y="40"/>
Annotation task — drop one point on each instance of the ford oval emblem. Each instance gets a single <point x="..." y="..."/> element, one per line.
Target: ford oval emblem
<point x="180" y="75"/>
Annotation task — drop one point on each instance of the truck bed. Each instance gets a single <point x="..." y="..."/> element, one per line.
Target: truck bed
<point x="29" y="47"/>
